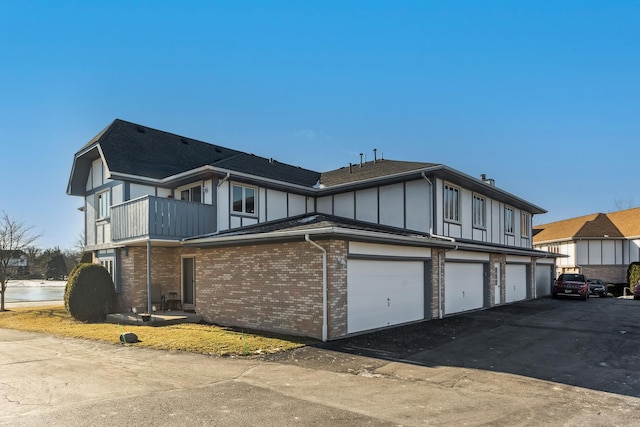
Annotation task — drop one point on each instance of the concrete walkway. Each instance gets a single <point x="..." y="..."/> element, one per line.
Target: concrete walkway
<point x="68" y="382"/>
<point x="535" y="363"/>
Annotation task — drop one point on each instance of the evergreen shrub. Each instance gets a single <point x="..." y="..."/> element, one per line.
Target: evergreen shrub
<point x="633" y="275"/>
<point x="90" y="294"/>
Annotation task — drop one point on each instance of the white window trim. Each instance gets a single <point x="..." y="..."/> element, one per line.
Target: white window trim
<point x="525" y="224"/>
<point x="509" y="230"/>
<point x="451" y="209"/>
<point x="190" y="189"/>
<point x="100" y="215"/>
<point x="244" y="212"/>
<point x="483" y="225"/>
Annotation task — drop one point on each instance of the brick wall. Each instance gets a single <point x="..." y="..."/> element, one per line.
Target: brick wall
<point x="275" y="287"/>
<point x="165" y="264"/>
<point x="608" y="273"/>
<point x="437" y="270"/>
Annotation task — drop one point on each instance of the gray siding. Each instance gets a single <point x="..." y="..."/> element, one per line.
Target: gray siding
<point x="161" y="218"/>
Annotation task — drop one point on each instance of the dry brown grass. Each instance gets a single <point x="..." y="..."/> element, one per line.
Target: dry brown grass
<point x="204" y="339"/>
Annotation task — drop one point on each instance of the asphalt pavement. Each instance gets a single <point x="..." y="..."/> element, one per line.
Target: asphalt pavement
<point x="543" y="362"/>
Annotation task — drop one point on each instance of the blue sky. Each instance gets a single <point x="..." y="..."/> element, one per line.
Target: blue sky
<point x="542" y="96"/>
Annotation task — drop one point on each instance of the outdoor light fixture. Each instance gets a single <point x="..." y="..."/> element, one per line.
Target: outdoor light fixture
<point x="342" y="263"/>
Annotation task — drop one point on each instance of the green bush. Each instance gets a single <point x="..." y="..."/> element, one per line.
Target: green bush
<point x="633" y="275"/>
<point x="90" y="294"/>
<point x="68" y="285"/>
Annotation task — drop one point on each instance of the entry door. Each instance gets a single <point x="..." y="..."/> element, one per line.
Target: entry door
<point x="188" y="280"/>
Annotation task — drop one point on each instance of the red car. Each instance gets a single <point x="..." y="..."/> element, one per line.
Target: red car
<point x="571" y="284"/>
<point x="636" y="291"/>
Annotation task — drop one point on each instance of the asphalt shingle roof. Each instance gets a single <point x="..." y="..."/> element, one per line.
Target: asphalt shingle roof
<point x="370" y="170"/>
<point x="313" y="221"/>
<point x="615" y="225"/>
<point x="133" y="149"/>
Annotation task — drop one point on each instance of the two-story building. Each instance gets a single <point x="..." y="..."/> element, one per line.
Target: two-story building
<point x="599" y="245"/>
<point x="252" y="242"/>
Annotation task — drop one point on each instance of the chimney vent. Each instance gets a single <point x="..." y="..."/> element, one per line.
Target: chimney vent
<point x="489" y="181"/>
<point x="361" y="154"/>
<point x="375" y="155"/>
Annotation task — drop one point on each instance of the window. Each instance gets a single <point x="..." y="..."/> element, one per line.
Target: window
<point x="244" y="199"/>
<point x="479" y="212"/>
<point x="108" y="264"/>
<point x="104" y="204"/>
<point x="525" y="224"/>
<point x="508" y="220"/>
<point x="451" y="203"/>
<point x="193" y="194"/>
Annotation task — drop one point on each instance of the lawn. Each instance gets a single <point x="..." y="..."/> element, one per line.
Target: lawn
<point x="195" y="338"/>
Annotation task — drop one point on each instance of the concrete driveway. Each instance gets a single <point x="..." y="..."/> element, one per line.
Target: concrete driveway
<point x="544" y="362"/>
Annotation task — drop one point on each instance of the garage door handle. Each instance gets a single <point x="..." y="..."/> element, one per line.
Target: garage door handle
<point x="388" y="302"/>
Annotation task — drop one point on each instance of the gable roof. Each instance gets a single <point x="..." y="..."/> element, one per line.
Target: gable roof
<point x="145" y="155"/>
<point x="594" y="226"/>
<point x="135" y="150"/>
<point x="627" y="221"/>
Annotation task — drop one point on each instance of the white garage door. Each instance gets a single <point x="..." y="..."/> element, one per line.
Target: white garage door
<point x="543" y="280"/>
<point x="516" y="283"/>
<point x="384" y="293"/>
<point x="463" y="286"/>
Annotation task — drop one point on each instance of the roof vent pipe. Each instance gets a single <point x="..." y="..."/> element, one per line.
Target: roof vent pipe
<point x="375" y="155"/>
<point x="350" y="168"/>
<point x="361" y="154"/>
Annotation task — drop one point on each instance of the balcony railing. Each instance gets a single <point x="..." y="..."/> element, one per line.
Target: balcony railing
<point x="161" y="218"/>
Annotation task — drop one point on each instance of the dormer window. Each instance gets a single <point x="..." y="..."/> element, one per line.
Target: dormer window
<point x="244" y="199"/>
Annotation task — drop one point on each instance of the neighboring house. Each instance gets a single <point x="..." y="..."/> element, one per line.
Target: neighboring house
<point x="251" y="242"/>
<point x="15" y="261"/>
<point x="598" y="245"/>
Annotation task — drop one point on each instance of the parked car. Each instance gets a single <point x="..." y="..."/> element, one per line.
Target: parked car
<point x="571" y="284"/>
<point x="597" y="287"/>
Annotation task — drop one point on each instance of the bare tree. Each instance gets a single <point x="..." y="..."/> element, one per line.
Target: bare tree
<point x="15" y="238"/>
<point x="621" y="204"/>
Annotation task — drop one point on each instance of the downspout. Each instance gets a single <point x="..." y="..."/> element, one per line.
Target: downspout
<point x="223" y="180"/>
<point x="149" y="276"/>
<point x="451" y="239"/>
<point x="324" y="286"/>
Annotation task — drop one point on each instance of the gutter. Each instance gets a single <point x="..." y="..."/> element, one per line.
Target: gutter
<point x="225" y="179"/>
<point x="324" y="286"/>
<point x="214" y="238"/>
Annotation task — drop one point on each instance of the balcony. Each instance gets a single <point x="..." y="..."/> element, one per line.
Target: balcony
<point x="151" y="217"/>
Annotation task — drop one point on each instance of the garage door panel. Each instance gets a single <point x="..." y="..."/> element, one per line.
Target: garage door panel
<point x="543" y="280"/>
<point x="384" y="293"/>
<point x="516" y="282"/>
<point x="464" y="287"/>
